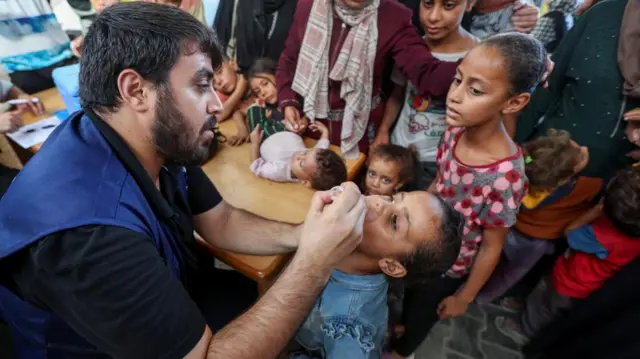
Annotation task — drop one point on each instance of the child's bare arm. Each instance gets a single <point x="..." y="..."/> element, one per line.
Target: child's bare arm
<point x="242" y="132"/>
<point x="230" y="106"/>
<point x="256" y="140"/>
<point x="588" y="217"/>
<point x="318" y="126"/>
<point x="432" y="187"/>
<point x="486" y="261"/>
<point x="394" y="106"/>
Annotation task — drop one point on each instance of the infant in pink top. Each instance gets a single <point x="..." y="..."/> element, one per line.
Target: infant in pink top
<point x="283" y="157"/>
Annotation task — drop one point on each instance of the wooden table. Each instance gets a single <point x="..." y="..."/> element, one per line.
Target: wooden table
<point x="229" y="172"/>
<point x="284" y="202"/>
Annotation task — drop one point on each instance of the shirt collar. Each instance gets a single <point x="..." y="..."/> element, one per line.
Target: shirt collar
<point x="159" y="204"/>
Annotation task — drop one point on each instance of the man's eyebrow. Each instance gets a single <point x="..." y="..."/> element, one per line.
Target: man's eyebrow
<point x="203" y="73"/>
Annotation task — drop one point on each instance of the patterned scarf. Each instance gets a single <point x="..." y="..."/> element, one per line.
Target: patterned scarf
<point x="353" y="67"/>
<point x="629" y="49"/>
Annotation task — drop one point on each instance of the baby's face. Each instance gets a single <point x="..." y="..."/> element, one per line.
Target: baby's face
<point x="304" y="164"/>
<point x="225" y="78"/>
<point x="383" y="177"/>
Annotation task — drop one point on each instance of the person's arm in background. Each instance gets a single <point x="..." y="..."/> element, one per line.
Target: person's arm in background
<point x="525" y="16"/>
<point x="486" y="261"/>
<point x="288" y="100"/>
<point x="392" y="109"/>
<point x="323" y="142"/>
<point x="543" y="98"/>
<point x="586" y="218"/>
<point x="414" y="60"/>
<point x="9" y="91"/>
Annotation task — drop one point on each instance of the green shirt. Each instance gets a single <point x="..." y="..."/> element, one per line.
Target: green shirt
<point x="584" y="96"/>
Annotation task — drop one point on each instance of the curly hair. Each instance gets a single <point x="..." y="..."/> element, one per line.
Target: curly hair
<point x="406" y="157"/>
<point x="331" y="170"/>
<point x="622" y="201"/>
<point x="553" y="160"/>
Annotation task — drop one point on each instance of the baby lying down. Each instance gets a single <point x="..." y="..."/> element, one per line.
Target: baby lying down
<point x="280" y="155"/>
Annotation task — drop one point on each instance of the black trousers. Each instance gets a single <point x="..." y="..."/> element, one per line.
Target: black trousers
<point x="38" y="80"/>
<point x="419" y="314"/>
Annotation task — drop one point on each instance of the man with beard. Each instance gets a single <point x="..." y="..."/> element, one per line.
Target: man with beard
<point x="97" y="253"/>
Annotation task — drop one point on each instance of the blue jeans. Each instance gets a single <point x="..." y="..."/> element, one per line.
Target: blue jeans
<point x="349" y="320"/>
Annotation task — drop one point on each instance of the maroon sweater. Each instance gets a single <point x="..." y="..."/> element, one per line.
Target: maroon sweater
<point x="398" y="40"/>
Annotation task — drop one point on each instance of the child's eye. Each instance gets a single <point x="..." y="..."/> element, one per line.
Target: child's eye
<point x="475" y="92"/>
<point x="394" y="222"/>
<point x="457" y="80"/>
<point x="449" y="5"/>
<point x="386" y="180"/>
<point x="427" y="3"/>
<point x="371" y="174"/>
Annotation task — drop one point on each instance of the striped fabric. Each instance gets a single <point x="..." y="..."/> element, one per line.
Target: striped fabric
<point x="353" y="68"/>
<point x="257" y="115"/>
<point x="30" y="36"/>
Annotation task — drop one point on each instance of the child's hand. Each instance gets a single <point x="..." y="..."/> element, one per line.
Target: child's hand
<point x="318" y="126"/>
<point x="293" y="121"/>
<point x="241" y="84"/>
<point x="256" y="136"/>
<point x="452" y="307"/>
<point x="240" y="138"/>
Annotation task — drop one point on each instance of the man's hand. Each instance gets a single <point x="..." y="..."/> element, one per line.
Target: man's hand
<point x="11" y="121"/>
<point x="332" y="231"/>
<point x="525" y="17"/>
<point x="452" y="307"/>
<point x="586" y="5"/>
<point x="292" y="120"/>
<point x="318" y="126"/>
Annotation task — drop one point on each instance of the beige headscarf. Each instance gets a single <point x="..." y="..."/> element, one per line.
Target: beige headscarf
<point x="629" y="49"/>
<point x="353" y="67"/>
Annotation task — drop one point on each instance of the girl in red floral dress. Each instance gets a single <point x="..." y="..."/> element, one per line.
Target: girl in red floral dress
<point x="480" y="173"/>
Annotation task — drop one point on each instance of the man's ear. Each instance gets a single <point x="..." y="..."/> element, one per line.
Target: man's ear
<point x="306" y="183"/>
<point x="516" y="103"/>
<point x="392" y="268"/>
<point x="134" y="90"/>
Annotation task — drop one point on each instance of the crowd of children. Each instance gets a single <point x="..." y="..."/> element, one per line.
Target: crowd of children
<point x="466" y="200"/>
<point x="517" y="202"/>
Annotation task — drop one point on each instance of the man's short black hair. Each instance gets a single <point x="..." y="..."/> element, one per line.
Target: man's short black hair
<point x="431" y="259"/>
<point x="148" y="38"/>
<point x="622" y="201"/>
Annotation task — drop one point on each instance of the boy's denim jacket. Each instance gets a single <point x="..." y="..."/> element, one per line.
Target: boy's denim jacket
<point x="349" y="319"/>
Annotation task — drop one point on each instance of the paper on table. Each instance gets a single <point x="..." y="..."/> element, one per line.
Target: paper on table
<point x="35" y="133"/>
